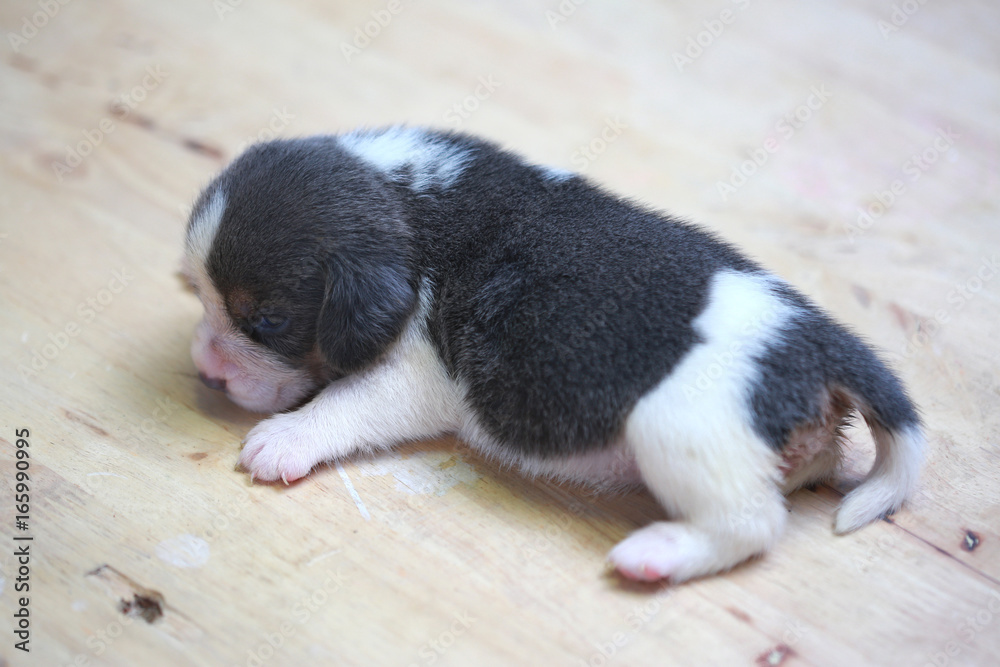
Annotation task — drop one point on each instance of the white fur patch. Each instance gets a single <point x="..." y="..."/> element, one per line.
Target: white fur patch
<point x="742" y="318"/>
<point x="555" y="174"/>
<point x="406" y="396"/>
<point x="408" y="155"/>
<point x="893" y="478"/>
<point x="698" y="416"/>
<point x="609" y="468"/>
<point x="201" y="233"/>
<point x="694" y="442"/>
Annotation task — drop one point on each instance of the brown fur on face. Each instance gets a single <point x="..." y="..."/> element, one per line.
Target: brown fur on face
<point x="241" y="304"/>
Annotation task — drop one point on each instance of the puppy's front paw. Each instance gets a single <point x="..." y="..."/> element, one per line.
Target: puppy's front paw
<point x="280" y="447"/>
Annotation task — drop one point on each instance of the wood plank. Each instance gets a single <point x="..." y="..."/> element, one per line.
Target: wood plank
<point x="442" y="557"/>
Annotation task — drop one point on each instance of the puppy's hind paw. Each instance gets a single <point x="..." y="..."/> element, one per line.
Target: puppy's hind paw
<point x="662" y="550"/>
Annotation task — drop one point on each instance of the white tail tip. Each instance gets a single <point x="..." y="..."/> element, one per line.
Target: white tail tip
<point x="892" y="479"/>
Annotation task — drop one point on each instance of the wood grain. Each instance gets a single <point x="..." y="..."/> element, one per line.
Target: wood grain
<point x="133" y="491"/>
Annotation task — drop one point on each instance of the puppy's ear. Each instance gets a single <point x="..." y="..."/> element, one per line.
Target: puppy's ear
<point x="366" y="307"/>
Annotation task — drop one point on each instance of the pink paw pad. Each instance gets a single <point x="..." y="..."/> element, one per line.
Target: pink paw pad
<point x="658" y="551"/>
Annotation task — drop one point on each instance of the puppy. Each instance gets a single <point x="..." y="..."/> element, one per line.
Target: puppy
<point x="391" y="285"/>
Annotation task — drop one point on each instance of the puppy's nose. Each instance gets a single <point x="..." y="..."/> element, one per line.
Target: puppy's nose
<point x="218" y="384"/>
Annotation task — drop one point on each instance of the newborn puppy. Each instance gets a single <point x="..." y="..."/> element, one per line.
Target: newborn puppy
<point x="398" y="284"/>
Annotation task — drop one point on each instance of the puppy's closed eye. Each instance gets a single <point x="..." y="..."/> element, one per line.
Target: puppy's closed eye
<point x="270" y="324"/>
<point x="263" y="328"/>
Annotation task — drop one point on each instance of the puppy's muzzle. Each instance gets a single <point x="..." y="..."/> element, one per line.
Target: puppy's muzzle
<point x="218" y="384"/>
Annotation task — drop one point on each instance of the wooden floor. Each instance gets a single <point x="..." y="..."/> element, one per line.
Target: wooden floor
<point x="852" y="147"/>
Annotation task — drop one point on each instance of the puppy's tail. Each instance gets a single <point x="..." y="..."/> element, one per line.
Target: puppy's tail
<point x="899" y="446"/>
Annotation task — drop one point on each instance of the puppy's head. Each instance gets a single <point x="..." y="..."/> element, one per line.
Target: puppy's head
<point x="301" y="258"/>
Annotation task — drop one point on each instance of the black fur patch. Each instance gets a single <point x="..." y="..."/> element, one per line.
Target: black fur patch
<point x="814" y="354"/>
<point x="556" y="304"/>
<point x="313" y="237"/>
